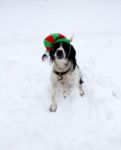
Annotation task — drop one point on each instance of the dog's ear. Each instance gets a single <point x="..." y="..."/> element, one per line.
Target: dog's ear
<point x="53" y="50"/>
<point x="52" y="55"/>
<point x="72" y="56"/>
<point x="72" y="52"/>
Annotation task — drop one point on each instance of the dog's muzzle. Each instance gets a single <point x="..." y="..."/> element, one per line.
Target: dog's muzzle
<point x="60" y="54"/>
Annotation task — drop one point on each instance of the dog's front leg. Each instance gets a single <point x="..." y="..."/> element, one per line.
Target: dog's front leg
<point x="53" y="106"/>
<point x="67" y="90"/>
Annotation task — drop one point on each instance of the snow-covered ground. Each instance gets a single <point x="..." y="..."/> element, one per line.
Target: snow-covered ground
<point x="89" y="123"/>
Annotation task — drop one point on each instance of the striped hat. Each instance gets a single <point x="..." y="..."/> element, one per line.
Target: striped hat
<point x="54" y="38"/>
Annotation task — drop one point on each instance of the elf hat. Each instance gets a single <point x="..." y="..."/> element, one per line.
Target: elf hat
<point x="54" y="38"/>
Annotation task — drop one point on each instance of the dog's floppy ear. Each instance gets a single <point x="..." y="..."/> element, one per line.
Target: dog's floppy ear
<point x="72" y="52"/>
<point x="52" y="55"/>
<point x="72" y="56"/>
<point x="53" y="50"/>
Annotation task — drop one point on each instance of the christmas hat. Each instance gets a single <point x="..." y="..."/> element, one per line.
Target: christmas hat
<point x="54" y="38"/>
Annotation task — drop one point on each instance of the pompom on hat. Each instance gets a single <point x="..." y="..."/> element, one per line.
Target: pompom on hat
<point x="50" y="40"/>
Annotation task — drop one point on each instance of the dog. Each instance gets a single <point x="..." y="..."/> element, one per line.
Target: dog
<point x="65" y="73"/>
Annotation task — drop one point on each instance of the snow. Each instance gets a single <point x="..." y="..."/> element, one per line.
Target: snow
<point x="89" y="123"/>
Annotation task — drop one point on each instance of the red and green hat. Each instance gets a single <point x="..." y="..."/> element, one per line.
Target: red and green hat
<point x="54" y="38"/>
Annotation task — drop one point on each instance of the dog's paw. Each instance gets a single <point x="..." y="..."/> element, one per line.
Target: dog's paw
<point x="81" y="93"/>
<point x="53" y="108"/>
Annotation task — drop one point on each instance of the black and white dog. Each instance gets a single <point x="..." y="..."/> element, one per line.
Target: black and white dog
<point x="65" y="73"/>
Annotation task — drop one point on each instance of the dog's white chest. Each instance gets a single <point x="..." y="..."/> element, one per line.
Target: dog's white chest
<point x="70" y="79"/>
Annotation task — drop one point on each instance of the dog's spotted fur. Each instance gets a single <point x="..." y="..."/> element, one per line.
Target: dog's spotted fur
<point x="65" y="73"/>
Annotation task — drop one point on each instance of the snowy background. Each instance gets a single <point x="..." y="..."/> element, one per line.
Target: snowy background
<point x="89" y="123"/>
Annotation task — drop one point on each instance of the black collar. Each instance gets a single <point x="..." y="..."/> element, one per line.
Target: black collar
<point x="61" y="73"/>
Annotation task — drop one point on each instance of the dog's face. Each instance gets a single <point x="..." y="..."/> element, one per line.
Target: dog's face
<point x="63" y="52"/>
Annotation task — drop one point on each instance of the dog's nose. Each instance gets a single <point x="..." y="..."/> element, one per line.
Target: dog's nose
<point x="60" y="53"/>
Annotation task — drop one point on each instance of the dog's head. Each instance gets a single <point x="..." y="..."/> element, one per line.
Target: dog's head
<point x="63" y="52"/>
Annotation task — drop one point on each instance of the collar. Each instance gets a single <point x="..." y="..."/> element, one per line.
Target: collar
<point x="61" y="73"/>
